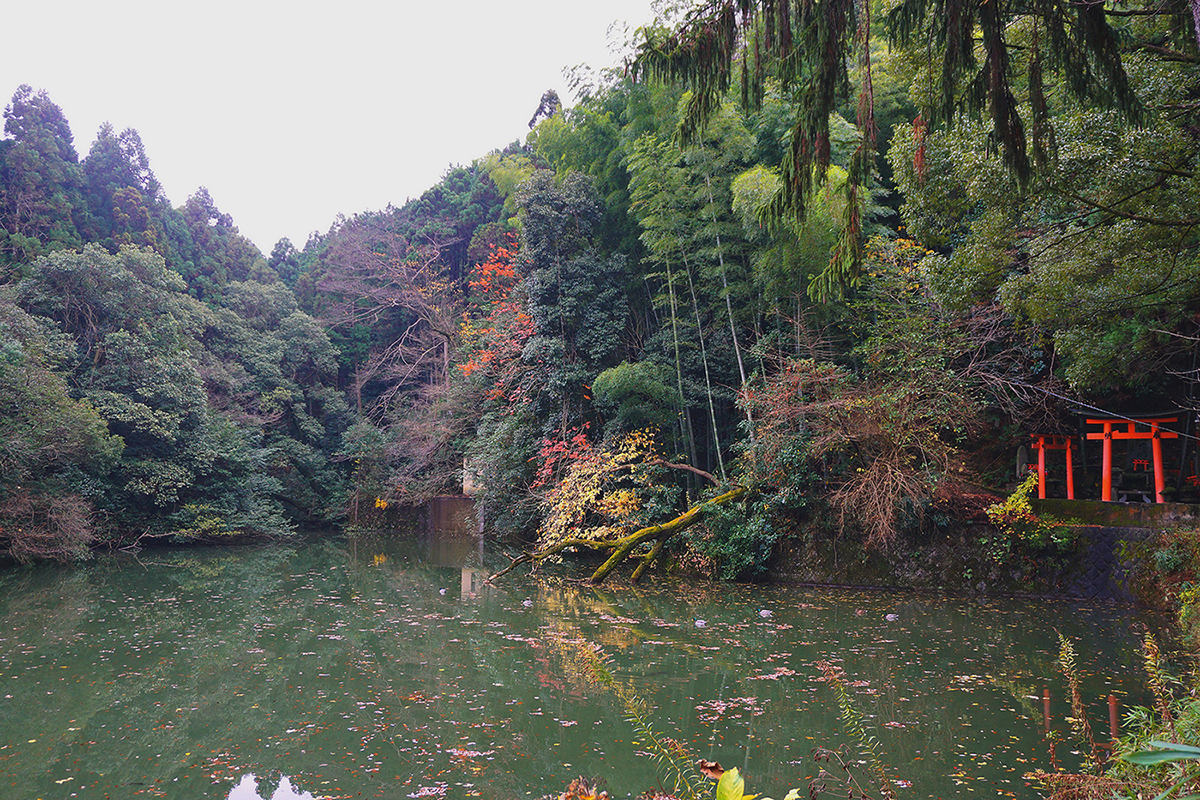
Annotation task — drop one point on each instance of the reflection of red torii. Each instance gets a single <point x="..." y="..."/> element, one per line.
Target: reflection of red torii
<point x="1044" y="442"/>
<point x="1155" y="435"/>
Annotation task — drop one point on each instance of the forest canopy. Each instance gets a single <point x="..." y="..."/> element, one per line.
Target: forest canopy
<point x="800" y="267"/>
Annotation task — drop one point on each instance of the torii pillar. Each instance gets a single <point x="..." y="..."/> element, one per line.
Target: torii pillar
<point x="1111" y="430"/>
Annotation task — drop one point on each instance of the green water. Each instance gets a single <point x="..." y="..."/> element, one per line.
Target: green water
<point x="372" y="669"/>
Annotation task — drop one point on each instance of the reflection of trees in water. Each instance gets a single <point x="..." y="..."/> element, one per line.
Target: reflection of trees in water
<point x="960" y="678"/>
<point x="283" y="659"/>
<point x="43" y="606"/>
<point x="232" y="642"/>
<point x="272" y="789"/>
<point x="125" y="641"/>
<point x="412" y="660"/>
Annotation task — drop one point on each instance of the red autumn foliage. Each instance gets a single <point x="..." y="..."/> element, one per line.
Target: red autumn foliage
<point x="496" y="324"/>
<point x="492" y="281"/>
<point x="555" y="454"/>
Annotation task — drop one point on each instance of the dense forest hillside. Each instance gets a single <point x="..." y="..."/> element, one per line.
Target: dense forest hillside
<point x="843" y="274"/>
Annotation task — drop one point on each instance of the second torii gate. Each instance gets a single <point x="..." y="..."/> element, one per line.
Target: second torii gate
<point x="1111" y="431"/>
<point x="1044" y="442"/>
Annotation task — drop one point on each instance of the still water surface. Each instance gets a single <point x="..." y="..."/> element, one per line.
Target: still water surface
<point x="387" y="669"/>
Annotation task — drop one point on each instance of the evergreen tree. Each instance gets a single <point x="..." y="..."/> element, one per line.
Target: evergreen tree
<point x="52" y="446"/>
<point x="575" y="294"/>
<point x="214" y="252"/>
<point x="125" y="200"/>
<point x="194" y="461"/>
<point x="41" y="203"/>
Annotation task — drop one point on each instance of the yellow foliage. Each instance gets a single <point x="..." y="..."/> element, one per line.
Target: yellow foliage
<point x="468" y="332"/>
<point x="597" y="493"/>
<point x="620" y="505"/>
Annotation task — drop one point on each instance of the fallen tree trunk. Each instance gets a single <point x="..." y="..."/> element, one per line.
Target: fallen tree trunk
<point x="622" y="546"/>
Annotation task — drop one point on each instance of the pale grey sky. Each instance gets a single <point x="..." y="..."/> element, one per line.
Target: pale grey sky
<point x="293" y="112"/>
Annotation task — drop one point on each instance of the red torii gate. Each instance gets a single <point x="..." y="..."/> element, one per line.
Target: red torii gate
<point x="1155" y="435"/>
<point x="1044" y="442"/>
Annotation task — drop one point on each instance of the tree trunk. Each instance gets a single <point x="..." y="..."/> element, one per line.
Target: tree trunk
<point x="685" y="418"/>
<point x="712" y="412"/>
<point x="737" y="350"/>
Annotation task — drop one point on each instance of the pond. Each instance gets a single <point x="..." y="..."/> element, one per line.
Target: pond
<point x="386" y="668"/>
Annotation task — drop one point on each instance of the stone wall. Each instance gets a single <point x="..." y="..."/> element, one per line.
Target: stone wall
<point x="453" y="514"/>
<point x="1097" y="568"/>
<point x="1106" y="564"/>
<point x="1120" y="515"/>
